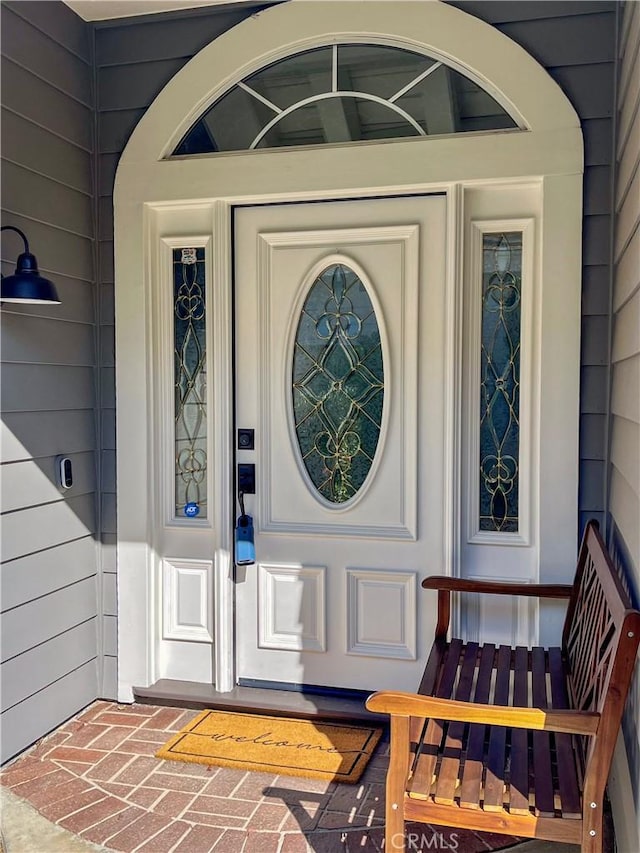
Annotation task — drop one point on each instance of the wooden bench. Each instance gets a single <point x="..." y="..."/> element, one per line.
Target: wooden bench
<point x="516" y="741"/>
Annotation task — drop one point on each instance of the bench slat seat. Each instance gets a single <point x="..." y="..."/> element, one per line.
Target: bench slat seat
<point x="516" y="740"/>
<point x="498" y="768"/>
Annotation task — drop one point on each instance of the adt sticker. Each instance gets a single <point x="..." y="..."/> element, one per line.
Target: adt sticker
<point x="191" y="509"/>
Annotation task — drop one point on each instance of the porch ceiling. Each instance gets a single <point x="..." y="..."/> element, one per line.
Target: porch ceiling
<point x="103" y="10"/>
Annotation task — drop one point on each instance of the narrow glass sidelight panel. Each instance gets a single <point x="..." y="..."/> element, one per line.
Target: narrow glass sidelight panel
<point x="500" y="381"/>
<point x="338" y="383"/>
<point x="190" y="377"/>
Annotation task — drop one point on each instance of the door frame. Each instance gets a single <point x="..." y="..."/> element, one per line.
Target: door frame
<point x="150" y="188"/>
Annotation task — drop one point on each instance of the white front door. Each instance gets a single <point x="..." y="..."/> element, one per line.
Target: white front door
<point x="340" y="340"/>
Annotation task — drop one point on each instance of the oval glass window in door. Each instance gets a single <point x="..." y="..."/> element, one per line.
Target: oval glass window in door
<point x="337" y="383"/>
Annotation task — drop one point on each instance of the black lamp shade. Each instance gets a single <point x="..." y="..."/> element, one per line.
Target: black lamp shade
<point x="27" y="285"/>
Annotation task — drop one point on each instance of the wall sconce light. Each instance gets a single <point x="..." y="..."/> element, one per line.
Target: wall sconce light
<point x="26" y="284"/>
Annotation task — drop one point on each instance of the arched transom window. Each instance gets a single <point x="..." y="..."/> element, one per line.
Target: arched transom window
<point x="344" y="93"/>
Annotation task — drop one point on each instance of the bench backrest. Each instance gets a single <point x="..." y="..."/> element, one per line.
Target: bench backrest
<point x="600" y="640"/>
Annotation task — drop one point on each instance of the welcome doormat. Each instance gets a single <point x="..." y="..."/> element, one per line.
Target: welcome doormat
<point x="282" y="745"/>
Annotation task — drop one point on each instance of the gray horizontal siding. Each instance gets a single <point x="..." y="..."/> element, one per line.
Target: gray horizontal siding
<point x="107" y="165"/>
<point x="596" y="133"/>
<point x="49" y="592"/>
<point x="595" y="291"/>
<point x="109" y="578"/>
<point x="594" y="343"/>
<point x="109" y="596"/>
<point x="61" y="25"/>
<point x="105" y="268"/>
<point x="44" y="340"/>
<point x="109" y="471"/>
<point x="597" y="191"/>
<point x="168" y="36"/>
<point x="589" y="87"/>
<point x="626" y="340"/>
<point x="625" y="381"/>
<point x="36" y="575"/>
<point x="109" y="585"/>
<point x="105" y="219"/>
<point x="625" y="451"/>
<point x="624" y="424"/>
<point x="553" y="43"/>
<point x="70" y="209"/>
<point x="46" y="387"/>
<point x="126" y="87"/>
<point x="44" y="711"/>
<point x="575" y="42"/>
<point x="624" y="500"/>
<point x="628" y="162"/>
<point x="110" y="634"/>
<point x="593" y="393"/>
<point x="108" y="429"/>
<point x="42" y="103"/>
<point x="500" y="12"/>
<point x="50" y="434"/>
<point x="37" y="528"/>
<point x="108" y="513"/>
<point x="43" y="152"/>
<point x="115" y="128"/>
<point x="33" y="482"/>
<point x="592" y="436"/>
<point x="627" y="214"/>
<point x="109" y="676"/>
<point x="627" y="271"/>
<point x="38" y="621"/>
<point x="629" y="78"/>
<point x="110" y="617"/>
<point x="109" y="559"/>
<point x="24" y="675"/>
<point x="45" y="57"/>
<point x="134" y="60"/>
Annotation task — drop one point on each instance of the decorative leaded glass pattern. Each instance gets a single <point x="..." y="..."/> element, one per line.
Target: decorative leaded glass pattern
<point x="500" y="381"/>
<point x="190" y="376"/>
<point x="344" y="93"/>
<point x="338" y="383"/>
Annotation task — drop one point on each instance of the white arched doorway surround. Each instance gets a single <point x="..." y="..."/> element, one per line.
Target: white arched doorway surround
<point x="531" y="177"/>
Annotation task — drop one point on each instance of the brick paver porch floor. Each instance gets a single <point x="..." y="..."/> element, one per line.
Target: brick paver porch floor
<point x="97" y="777"/>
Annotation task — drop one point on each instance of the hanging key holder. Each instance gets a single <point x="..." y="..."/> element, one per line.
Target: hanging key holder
<point x="245" y="546"/>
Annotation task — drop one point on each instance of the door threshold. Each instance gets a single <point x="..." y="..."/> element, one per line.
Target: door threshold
<point x="256" y="700"/>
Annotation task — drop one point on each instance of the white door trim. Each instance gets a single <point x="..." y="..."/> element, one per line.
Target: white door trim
<point x="550" y="152"/>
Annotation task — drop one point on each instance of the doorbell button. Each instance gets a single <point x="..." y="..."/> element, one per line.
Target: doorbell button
<point x="65" y="472"/>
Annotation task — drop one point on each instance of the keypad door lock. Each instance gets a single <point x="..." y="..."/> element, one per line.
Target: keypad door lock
<point x="247" y="478"/>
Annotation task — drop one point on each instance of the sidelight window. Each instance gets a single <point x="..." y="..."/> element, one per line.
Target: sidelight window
<point x="190" y="381"/>
<point x="500" y="381"/>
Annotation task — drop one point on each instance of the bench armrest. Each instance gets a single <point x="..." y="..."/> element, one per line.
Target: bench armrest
<point x="446" y="585"/>
<point x="413" y="705"/>
<point x="542" y="590"/>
